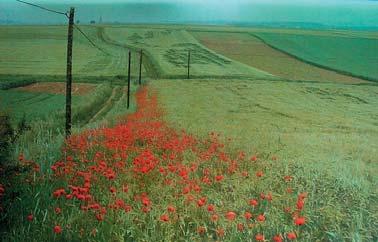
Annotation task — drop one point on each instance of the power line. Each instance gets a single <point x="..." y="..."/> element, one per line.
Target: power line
<point x="65" y="14"/>
<point x="43" y="8"/>
<point x="90" y="41"/>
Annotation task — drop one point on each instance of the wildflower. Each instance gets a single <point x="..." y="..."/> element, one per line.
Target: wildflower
<point x="100" y="217"/>
<point x="58" y="193"/>
<point x="171" y="209"/>
<point x="201" y="230"/>
<point x="164" y="218"/>
<point x="30" y="217"/>
<point x="248" y="215"/>
<point x="291" y="236"/>
<point x="125" y="188"/>
<point x="288" y="178"/>
<point x="300" y="221"/>
<point x="300" y="204"/>
<point x="244" y="174"/>
<point x="277" y="238"/>
<point x="57" y="229"/>
<point x="58" y="210"/>
<point x="214" y="217"/>
<point x="259" y="237"/>
<point x="253" y="202"/>
<point x="259" y="174"/>
<point x="230" y="216"/>
<point x="113" y="190"/>
<point x="261" y="218"/>
<point x="254" y="158"/>
<point x="210" y="208"/>
<point x="240" y="227"/>
<point x="219" y="178"/>
<point x="220" y="232"/>
<point x="201" y="202"/>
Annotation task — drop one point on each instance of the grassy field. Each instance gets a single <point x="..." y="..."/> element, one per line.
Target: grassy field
<point x="298" y="139"/>
<point x="348" y="54"/>
<point x="250" y="50"/>
<point x="325" y="133"/>
<point x="35" y="50"/>
<point x="168" y="52"/>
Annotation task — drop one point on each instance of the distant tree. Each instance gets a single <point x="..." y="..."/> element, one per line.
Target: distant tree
<point x="77" y="21"/>
<point x="93" y="22"/>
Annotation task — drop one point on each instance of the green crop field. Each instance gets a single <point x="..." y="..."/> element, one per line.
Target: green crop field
<point x="269" y="139"/>
<point x="252" y="51"/>
<point x="168" y="52"/>
<point x="346" y="53"/>
<point x="42" y="51"/>
<point x="326" y="134"/>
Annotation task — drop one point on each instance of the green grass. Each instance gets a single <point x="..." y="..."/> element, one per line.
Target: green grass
<point x="353" y="55"/>
<point x="41" y="50"/>
<point x="32" y="105"/>
<point x="168" y="53"/>
<point x="326" y="134"/>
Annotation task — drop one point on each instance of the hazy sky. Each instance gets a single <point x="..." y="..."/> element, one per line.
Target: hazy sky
<point x="324" y="12"/>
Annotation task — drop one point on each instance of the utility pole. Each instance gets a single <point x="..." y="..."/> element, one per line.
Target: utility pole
<point x="140" y="67"/>
<point x="69" y="73"/>
<point x="128" y="81"/>
<point x="189" y="64"/>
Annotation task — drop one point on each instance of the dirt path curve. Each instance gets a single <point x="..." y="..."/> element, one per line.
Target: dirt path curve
<point x="104" y="107"/>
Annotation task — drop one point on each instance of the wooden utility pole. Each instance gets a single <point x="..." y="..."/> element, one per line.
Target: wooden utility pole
<point x="128" y="81"/>
<point x="69" y="73"/>
<point x="189" y="64"/>
<point x="140" y="67"/>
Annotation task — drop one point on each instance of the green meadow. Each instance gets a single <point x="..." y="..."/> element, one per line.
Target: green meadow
<point x="346" y="53"/>
<point x="301" y="96"/>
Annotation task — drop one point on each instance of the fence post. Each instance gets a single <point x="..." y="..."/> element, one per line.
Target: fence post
<point x="69" y="73"/>
<point x="189" y="64"/>
<point x="140" y="67"/>
<point x="128" y="81"/>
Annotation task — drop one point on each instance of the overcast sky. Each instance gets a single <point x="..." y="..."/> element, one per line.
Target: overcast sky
<point x="199" y="1"/>
<point x="326" y="12"/>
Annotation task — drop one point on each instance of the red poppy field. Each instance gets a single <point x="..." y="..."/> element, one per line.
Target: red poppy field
<point x="143" y="180"/>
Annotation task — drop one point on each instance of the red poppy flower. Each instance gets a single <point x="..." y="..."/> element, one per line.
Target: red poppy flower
<point x="211" y="208"/>
<point x="171" y="209"/>
<point x="164" y="218"/>
<point x="277" y="238"/>
<point x="261" y="218"/>
<point x="230" y="216"/>
<point x="201" y="202"/>
<point x="58" y="210"/>
<point x="259" y="237"/>
<point x="30" y="217"/>
<point x="201" y="230"/>
<point x="300" y="204"/>
<point x="254" y="158"/>
<point x="248" y="215"/>
<point x="240" y="227"/>
<point x="300" y="221"/>
<point x="291" y="236"/>
<point x="57" y="229"/>
<point x="259" y="174"/>
<point x="220" y="232"/>
<point x="253" y="202"/>
<point x="219" y="178"/>
<point x="214" y="217"/>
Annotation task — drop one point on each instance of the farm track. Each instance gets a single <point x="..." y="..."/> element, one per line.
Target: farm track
<point x="106" y="107"/>
<point x="151" y="69"/>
